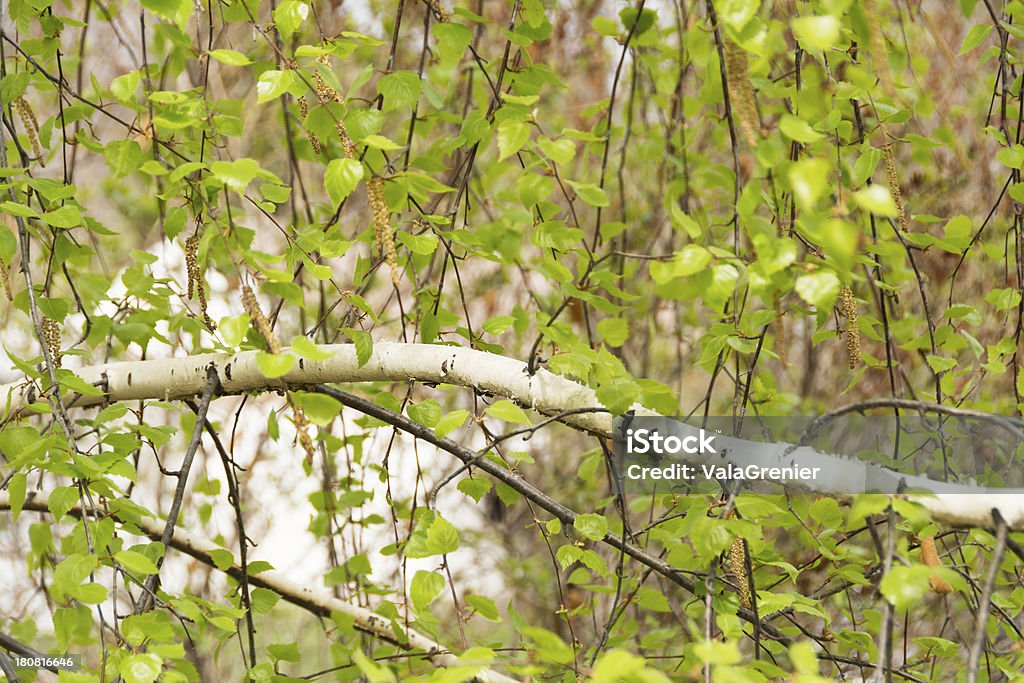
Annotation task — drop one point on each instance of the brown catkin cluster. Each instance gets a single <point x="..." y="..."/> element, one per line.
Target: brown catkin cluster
<point x="440" y="13"/>
<point x="738" y="566"/>
<point x="382" y="225"/>
<point x="894" y="187"/>
<point x="325" y="94"/>
<point x="930" y="557"/>
<point x="302" y="429"/>
<point x="314" y="141"/>
<point x="196" y="288"/>
<point x="848" y="307"/>
<point x="28" y="120"/>
<point x="879" y="55"/>
<point x="51" y="337"/>
<point x="259" y="320"/>
<point x="741" y="92"/>
<point x="5" y="280"/>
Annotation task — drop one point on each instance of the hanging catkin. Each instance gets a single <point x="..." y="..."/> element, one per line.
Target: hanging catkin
<point x="741" y="92"/>
<point x="930" y="557"/>
<point x="260" y="322"/>
<point x="894" y="186"/>
<point x="848" y="307"/>
<point x="382" y="225"/>
<point x="738" y="566"/>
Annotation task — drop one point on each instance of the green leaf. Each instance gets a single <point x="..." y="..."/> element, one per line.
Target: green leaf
<point x="230" y="57"/>
<point x="877" y="200"/>
<point x="284" y="652"/>
<point x="67" y="216"/>
<point x="90" y="593"/>
<point x="485" y="607"/>
<point x="236" y="175"/>
<point x="589" y="193"/>
<point x="400" y="89"/>
<point x="809" y="178"/>
<point x="140" y="668"/>
<point x="508" y="411"/>
<point x="136" y="563"/>
<point x="614" y="331"/>
<point x="591" y="526"/>
<point x="363" y="343"/>
<point x="16" y="493"/>
<point x="288" y="17"/>
<point x="263" y="600"/>
<point x="380" y="142"/>
<point x="123" y="157"/>
<point x="177" y="11"/>
<point x="61" y="500"/>
<point x="124" y="86"/>
<point x="975" y="37"/>
<point x="274" y="365"/>
<point x="273" y="83"/>
<point x="321" y="409"/>
<point x="450" y="423"/>
<point x="512" y="135"/>
<point x="424" y="245"/>
<point x="475" y="488"/>
<point x="904" y="587"/>
<point x="234" y="329"/>
<point x="341" y="177"/>
<point x="560" y="151"/>
<point x="819" y="33"/>
<point x="818" y="289"/>
<point x="442" y="537"/>
<point x="797" y="129"/>
<point x="452" y="41"/>
<point x="308" y="350"/>
<point x="1003" y="299"/>
<point x="427" y="413"/>
<point x="424" y="588"/>
<point x="15" y="209"/>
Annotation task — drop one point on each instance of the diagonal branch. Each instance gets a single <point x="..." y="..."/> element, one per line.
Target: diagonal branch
<point x="487" y="373"/>
<point x="146" y="601"/>
<point x="303" y="596"/>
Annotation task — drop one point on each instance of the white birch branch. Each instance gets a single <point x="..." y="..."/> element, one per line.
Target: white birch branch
<point x="545" y="392"/>
<point x="318" y="602"/>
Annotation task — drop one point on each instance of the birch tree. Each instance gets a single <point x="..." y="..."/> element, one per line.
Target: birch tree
<point x="318" y="318"/>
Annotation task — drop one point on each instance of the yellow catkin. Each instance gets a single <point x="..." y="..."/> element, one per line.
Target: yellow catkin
<point x="5" y="278"/>
<point x="848" y="307"/>
<point x="325" y="94"/>
<point x="894" y="187"/>
<point x="741" y="92"/>
<point x="196" y="287"/>
<point x="440" y="13"/>
<point x="252" y="307"/>
<point x="28" y="120"/>
<point x="382" y="225"/>
<point x="51" y="337"/>
<point x="738" y="566"/>
<point x="876" y="46"/>
<point x="930" y="557"/>
<point x="314" y="141"/>
<point x="259" y="320"/>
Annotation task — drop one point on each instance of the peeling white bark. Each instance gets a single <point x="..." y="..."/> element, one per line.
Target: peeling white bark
<point x="318" y="602"/>
<point x="545" y="392"/>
